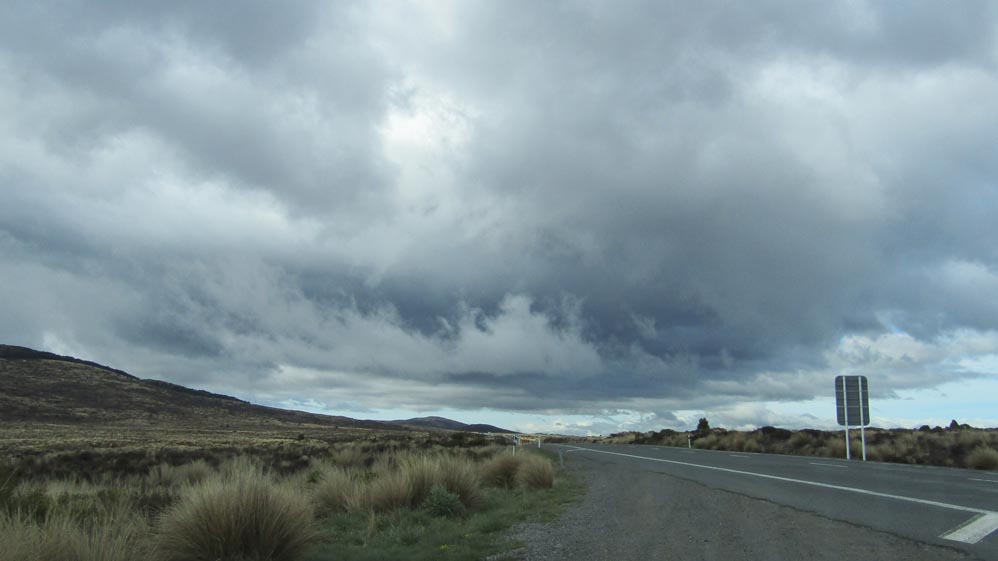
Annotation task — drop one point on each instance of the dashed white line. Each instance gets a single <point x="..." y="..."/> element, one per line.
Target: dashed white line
<point x="737" y="456"/>
<point x="988" y="480"/>
<point x="827" y="465"/>
<point x="973" y="530"/>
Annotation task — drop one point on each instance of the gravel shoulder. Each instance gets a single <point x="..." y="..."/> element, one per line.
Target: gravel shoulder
<point x="636" y="513"/>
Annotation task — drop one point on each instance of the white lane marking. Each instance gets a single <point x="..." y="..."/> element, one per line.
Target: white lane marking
<point x="739" y="455"/>
<point x="961" y="534"/>
<point x="975" y="479"/>
<point x="692" y="452"/>
<point x="827" y="465"/>
<point x="973" y="530"/>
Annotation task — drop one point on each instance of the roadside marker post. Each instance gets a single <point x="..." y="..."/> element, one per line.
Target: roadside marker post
<point x="852" y="407"/>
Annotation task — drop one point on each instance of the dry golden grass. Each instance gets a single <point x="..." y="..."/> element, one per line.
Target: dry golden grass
<point x="535" y="472"/>
<point x="387" y="492"/>
<point x="460" y="476"/>
<point x="336" y="490"/>
<point x="109" y="535"/>
<point x="501" y="470"/>
<point x="983" y="458"/>
<point x="240" y="514"/>
<point x="218" y="508"/>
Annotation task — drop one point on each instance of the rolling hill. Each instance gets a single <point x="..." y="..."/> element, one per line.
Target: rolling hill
<point x="448" y="424"/>
<point x="36" y="386"/>
<point x="43" y="387"/>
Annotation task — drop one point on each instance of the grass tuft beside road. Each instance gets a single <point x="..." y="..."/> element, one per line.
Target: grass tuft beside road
<point x="416" y="534"/>
<point x="379" y="503"/>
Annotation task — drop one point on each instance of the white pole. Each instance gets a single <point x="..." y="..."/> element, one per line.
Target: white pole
<point x="845" y="409"/>
<point x="538" y="442"/>
<point x="689" y="441"/>
<point x="862" y="419"/>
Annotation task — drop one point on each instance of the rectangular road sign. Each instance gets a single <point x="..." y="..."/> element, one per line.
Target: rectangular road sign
<point x="852" y="401"/>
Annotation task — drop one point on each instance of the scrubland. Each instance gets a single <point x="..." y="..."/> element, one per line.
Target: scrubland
<point x="280" y="497"/>
<point x="959" y="446"/>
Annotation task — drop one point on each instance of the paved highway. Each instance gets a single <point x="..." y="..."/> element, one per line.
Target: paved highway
<point x="955" y="509"/>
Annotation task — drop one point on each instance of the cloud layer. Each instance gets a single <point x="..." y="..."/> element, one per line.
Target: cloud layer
<point x="567" y="208"/>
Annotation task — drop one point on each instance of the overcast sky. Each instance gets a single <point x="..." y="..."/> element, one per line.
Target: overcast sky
<point x="571" y="216"/>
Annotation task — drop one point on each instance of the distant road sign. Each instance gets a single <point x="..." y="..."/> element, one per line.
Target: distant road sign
<point x="852" y="401"/>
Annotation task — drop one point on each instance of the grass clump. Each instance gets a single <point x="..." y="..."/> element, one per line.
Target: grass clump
<point x="335" y="490"/>
<point x="460" y="477"/>
<point x="536" y="472"/>
<point x="387" y="492"/>
<point x="240" y="515"/>
<point x="500" y="471"/>
<point x="109" y="536"/>
<point x="982" y="457"/>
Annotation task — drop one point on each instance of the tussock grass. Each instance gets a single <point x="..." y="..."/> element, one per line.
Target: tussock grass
<point x="169" y="476"/>
<point x="460" y="476"/>
<point x="536" y="472"/>
<point x="225" y="507"/>
<point x="501" y="470"/>
<point x="387" y="492"/>
<point x="983" y="458"/>
<point x="240" y="514"/>
<point x="336" y="490"/>
<point x="926" y="445"/>
<point x="111" y="535"/>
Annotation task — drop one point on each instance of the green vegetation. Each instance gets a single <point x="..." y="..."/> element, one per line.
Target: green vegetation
<point x="369" y="499"/>
<point x="441" y="527"/>
<point x="242" y="513"/>
<point x="957" y="446"/>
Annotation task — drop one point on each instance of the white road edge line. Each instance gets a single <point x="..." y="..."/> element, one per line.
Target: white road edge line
<point x="970" y="530"/>
<point x="975" y="479"/>
<point x="827" y="465"/>
<point x="973" y="530"/>
<point x="737" y="456"/>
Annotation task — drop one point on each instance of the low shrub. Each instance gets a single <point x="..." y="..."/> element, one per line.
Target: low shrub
<point x="982" y="457"/>
<point x="242" y="514"/>
<point x="441" y="502"/>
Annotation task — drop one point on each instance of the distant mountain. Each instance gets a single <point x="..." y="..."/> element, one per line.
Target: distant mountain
<point x="448" y="424"/>
<point x="37" y="386"/>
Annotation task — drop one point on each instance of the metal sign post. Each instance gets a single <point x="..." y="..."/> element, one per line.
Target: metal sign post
<point x="852" y="405"/>
<point x="845" y="405"/>
<point x="862" y="418"/>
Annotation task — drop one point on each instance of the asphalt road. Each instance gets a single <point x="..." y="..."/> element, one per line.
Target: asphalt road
<point x="829" y="506"/>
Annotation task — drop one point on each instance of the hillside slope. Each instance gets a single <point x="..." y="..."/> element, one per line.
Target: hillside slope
<point x="448" y="424"/>
<point x="36" y="386"/>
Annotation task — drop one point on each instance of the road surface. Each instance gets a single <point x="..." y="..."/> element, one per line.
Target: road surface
<point x="674" y="503"/>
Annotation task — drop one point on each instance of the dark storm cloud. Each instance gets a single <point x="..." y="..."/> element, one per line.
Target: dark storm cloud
<point x="560" y="207"/>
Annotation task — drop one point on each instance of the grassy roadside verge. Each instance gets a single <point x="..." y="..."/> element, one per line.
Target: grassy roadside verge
<point x="417" y="534"/>
<point x="359" y="501"/>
